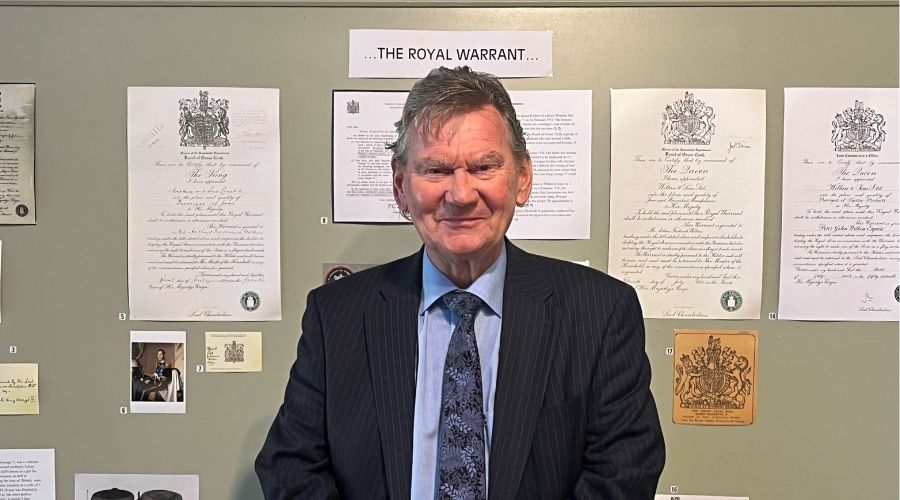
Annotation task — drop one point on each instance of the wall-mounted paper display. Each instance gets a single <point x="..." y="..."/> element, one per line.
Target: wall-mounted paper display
<point x="840" y="218"/>
<point x="17" y="153"/>
<point x="715" y="377"/>
<point x="203" y="204"/>
<point x="696" y="497"/>
<point x="157" y="372"/>
<point x="557" y="125"/>
<point x="233" y="352"/>
<point x="19" y="389"/>
<point x="413" y="53"/>
<point x="136" y="487"/>
<point x="28" y="474"/>
<point x="686" y="200"/>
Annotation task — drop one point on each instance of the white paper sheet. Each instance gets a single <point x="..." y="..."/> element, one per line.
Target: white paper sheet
<point x="158" y="385"/>
<point x="840" y="228"/>
<point x="677" y="496"/>
<point x="17" y="153"/>
<point x="203" y="204"/>
<point x="413" y="53"/>
<point x="557" y="127"/>
<point x="86" y="485"/>
<point x="27" y="474"/>
<point x="686" y="200"/>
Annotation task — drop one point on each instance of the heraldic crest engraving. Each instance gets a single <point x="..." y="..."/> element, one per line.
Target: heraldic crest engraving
<point x="858" y="129"/>
<point x="712" y="378"/>
<point x="234" y="353"/>
<point x="688" y="121"/>
<point x="203" y="121"/>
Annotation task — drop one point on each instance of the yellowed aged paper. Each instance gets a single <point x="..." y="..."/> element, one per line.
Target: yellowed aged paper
<point x="19" y="389"/>
<point x="715" y="377"/>
<point x="233" y="351"/>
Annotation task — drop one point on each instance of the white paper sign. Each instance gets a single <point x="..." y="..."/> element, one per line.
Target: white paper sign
<point x="686" y="200"/>
<point x="116" y="486"/>
<point x="203" y="204"/>
<point x="696" y="497"/>
<point x="557" y="126"/>
<point x="27" y="474"/>
<point x="840" y="226"/>
<point x="413" y="53"/>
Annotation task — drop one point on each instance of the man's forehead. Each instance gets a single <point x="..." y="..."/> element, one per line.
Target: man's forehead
<point x="431" y="123"/>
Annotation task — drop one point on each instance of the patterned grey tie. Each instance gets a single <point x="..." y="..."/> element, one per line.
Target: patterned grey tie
<point x="462" y="463"/>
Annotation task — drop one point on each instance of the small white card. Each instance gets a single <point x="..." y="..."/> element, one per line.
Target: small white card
<point x="413" y="53"/>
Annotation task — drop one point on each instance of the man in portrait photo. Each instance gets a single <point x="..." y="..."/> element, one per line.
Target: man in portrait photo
<point x="470" y="369"/>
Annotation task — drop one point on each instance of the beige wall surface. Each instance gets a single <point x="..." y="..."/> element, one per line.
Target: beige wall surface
<point x="827" y="416"/>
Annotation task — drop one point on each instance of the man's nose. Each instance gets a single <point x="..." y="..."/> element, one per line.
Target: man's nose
<point x="461" y="190"/>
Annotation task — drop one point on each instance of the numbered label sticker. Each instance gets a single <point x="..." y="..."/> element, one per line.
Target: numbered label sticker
<point x="200" y="368"/>
<point x="123" y="410"/>
<point x="670" y="351"/>
<point x="773" y="316"/>
<point x="13" y="349"/>
<point x="324" y="220"/>
<point x="123" y="316"/>
<point x="673" y="489"/>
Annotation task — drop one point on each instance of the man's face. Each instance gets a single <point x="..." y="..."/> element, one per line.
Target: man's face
<point x="461" y="187"/>
<point x="160" y="355"/>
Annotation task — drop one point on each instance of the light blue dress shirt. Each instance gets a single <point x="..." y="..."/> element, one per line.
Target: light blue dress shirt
<point x="436" y="324"/>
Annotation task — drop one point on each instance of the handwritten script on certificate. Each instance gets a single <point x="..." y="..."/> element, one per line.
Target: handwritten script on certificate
<point x="19" y="389"/>
<point x="17" y="153"/>
<point x="686" y="200"/>
<point x="840" y="240"/>
<point x="203" y="204"/>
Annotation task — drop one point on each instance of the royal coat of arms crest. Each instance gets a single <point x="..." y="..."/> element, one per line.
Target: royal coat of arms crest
<point x="688" y="121"/>
<point x="203" y="121"/>
<point x="714" y="377"/>
<point x="858" y="129"/>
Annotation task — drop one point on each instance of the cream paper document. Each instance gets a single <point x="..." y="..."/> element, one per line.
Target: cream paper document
<point x="557" y="128"/>
<point x="203" y="204"/>
<point x="233" y="352"/>
<point x="19" y="389"/>
<point x="840" y="225"/>
<point x="686" y="200"/>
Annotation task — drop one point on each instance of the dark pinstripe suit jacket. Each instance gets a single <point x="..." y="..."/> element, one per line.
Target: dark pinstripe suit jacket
<point x="573" y="414"/>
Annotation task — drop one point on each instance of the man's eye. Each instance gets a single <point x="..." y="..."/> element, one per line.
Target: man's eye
<point x="484" y="168"/>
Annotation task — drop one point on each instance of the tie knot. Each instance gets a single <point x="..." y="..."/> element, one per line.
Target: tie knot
<point x="461" y="303"/>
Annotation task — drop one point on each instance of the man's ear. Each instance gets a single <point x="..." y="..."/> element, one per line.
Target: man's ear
<point x="523" y="183"/>
<point x="399" y="171"/>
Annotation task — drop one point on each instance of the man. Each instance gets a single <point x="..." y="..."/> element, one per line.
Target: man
<point x="470" y="369"/>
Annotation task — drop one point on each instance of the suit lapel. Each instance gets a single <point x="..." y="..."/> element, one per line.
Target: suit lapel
<point x="391" y="341"/>
<point x="527" y="346"/>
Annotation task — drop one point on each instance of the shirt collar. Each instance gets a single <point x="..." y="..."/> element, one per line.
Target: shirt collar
<point x="488" y="287"/>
